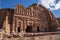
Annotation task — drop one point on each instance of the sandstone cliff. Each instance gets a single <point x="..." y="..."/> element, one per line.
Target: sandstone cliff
<point x="58" y="20"/>
<point x="46" y="17"/>
<point x="3" y="13"/>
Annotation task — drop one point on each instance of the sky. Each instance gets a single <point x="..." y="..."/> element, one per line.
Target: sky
<point x="52" y="5"/>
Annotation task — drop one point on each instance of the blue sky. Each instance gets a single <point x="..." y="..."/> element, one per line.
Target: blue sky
<point x="26" y="3"/>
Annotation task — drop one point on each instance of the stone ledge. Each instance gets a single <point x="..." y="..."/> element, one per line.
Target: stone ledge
<point x="31" y="34"/>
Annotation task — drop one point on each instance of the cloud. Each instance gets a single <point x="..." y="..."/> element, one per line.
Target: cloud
<point x="50" y="4"/>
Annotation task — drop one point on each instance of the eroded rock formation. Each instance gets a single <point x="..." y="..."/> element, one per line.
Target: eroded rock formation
<point x="35" y="18"/>
<point x="58" y="20"/>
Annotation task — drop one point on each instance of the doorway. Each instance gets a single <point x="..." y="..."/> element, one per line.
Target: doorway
<point x="29" y="29"/>
<point x="38" y="29"/>
<point x="19" y="29"/>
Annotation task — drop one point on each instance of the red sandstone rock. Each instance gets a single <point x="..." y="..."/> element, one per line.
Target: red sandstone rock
<point x="35" y="18"/>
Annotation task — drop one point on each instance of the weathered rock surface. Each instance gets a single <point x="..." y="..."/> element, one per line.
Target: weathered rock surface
<point x="3" y="13"/>
<point x="58" y="20"/>
<point x="46" y="19"/>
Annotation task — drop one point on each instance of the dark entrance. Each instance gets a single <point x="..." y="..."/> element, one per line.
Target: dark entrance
<point x="29" y="29"/>
<point x="18" y="29"/>
<point x="38" y="29"/>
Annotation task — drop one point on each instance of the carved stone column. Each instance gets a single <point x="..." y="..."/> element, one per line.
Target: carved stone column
<point x="7" y="26"/>
<point x="13" y="30"/>
<point x="25" y="25"/>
